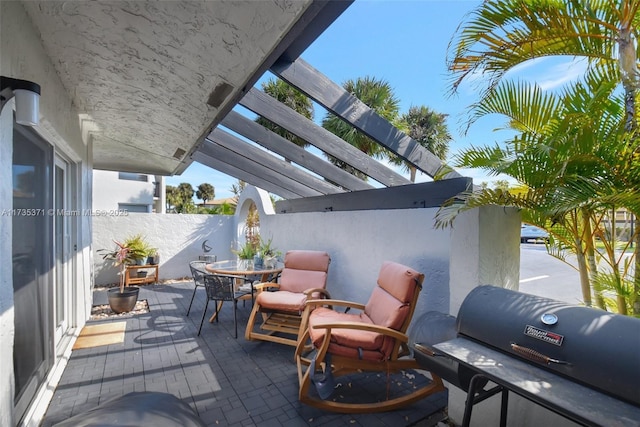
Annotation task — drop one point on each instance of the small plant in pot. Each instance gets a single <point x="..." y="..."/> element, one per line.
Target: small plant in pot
<point x="154" y="257"/>
<point x="123" y="299"/>
<point x="245" y="253"/>
<point x="269" y="253"/>
<point x="139" y="249"/>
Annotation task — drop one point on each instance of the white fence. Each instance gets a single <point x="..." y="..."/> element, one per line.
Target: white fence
<point x="482" y="248"/>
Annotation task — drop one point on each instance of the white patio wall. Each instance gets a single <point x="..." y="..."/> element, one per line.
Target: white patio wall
<point x="482" y="248"/>
<point x="178" y="239"/>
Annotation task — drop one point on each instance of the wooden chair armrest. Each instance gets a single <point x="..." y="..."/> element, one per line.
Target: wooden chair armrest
<point x="262" y="286"/>
<point x="341" y="303"/>
<point x="364" y="327"/>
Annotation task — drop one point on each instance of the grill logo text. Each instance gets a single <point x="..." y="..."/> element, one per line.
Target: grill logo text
<point x="543" y="335"/>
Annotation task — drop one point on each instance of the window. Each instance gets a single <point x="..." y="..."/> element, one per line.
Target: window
<point x="133" y="176"/>
<point x="134" y="207"/>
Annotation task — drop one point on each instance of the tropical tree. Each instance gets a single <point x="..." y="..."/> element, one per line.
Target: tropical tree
<point x="205" y="192"/>
<point x="237" y="188"/>
<point x="292" y="98"/>
<point x="378" y="95"/>
<point x="501" y="34"/>
<point x="575" y="163"/>
<point x="224" y="209"/>
<point x="181" y="198"/>
<point x="429" y="129"/>
<point x="172" y="197"/>
<point x="577" y="155"/>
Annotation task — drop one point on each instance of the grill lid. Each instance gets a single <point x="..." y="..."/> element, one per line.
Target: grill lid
<point x="595" y="347"/>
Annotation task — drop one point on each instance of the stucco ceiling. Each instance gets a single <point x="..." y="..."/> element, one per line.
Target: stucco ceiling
<point x="143" y="73"/>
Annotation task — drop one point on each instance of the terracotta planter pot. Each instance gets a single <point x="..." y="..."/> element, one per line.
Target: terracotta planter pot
<point x="123" y="302"/>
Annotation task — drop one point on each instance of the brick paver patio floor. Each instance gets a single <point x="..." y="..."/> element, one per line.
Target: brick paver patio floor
<point x="227" y="381"/>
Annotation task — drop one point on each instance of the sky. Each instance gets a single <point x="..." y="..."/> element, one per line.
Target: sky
<point x="405" y="43"/>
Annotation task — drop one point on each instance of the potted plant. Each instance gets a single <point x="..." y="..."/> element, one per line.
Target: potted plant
<point x="269" y="253"/>
<point x="121" y="299"/>
<point x="245" y="252"/>
<point x="154" y="257"/>
<point x="138" y="249"/>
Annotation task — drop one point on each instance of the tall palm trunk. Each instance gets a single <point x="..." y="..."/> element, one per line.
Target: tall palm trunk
<point x="629" y="73"/>
<point x="583" y="267"/>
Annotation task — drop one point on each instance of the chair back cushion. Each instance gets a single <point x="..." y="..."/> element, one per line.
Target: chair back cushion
<point x="304" y="270"/>
<point x="390" y="301"/>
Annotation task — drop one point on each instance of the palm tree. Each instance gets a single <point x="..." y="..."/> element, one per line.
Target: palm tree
<point x="576" y="155"/>
<point x="429" y="129"/>
<point x="185" y="198"/>
<point x="292" y="98"/>
<point x="501" y="34"/>
<point x="172" y="197"/>
<point x="575" y="163"/>
<point x="378" y="95"/>
<point x="205" y="192"/>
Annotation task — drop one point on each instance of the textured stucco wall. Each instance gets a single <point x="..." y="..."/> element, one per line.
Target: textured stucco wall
<point x="359" y="242"/>
<point x="178" y="239"/>
<point x="119" y="56"/>
<point x="485" y="250"/>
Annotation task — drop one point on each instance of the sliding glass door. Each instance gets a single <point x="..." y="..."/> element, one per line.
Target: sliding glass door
<point x="32" y="244"/>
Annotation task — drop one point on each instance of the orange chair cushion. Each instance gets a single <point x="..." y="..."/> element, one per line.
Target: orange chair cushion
<point x="399" y="280"/>
<point x="285" y="301"/>
<point x="307" y="260"/>
<point x="300" y="280"/>
<point x="304" y="270"/>
<point x="389" y="303"/>
<point x="346" y="342"/>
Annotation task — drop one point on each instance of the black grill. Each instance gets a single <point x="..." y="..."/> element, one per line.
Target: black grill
<point x="590" y="347"/>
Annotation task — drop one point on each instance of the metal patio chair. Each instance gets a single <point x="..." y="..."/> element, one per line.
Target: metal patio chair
<point x="221" y="288"/>
<point x="197" y="272"/>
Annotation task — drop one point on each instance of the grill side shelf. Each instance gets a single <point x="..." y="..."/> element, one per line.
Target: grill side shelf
<point x="570" y="399"/>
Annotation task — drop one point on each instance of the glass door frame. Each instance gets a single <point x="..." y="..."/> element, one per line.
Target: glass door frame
<point x="64" y="217"/>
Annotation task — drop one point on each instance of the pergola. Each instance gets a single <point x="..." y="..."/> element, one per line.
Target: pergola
<point x="157" y="83"/>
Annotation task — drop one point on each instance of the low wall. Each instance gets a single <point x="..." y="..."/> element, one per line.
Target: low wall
<point x="178" y="239"/>
<point x="481" y="248"/>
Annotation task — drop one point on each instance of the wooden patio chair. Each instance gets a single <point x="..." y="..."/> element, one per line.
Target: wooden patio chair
<point x="281" y="304"/>
<point x="372" y="340"/>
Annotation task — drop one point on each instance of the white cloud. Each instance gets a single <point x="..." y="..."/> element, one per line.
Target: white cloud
<point x="550" y="72"/>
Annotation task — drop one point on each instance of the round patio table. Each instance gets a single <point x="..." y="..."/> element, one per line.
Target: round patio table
<point x="243" y="270"/>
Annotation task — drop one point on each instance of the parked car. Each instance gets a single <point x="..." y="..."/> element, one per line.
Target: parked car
<point x="531" y="232"/>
